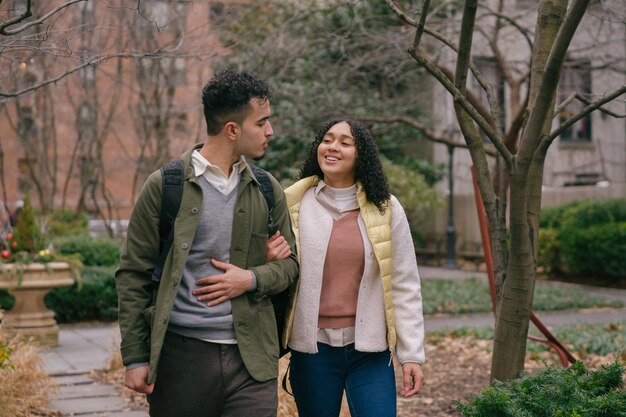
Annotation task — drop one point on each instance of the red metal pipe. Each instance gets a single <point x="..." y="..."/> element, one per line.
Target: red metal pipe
<point x="565" y="356"/>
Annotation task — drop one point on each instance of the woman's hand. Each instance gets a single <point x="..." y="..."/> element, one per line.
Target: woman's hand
<point x="277" y="248"/>
<point x="413" y="378"/>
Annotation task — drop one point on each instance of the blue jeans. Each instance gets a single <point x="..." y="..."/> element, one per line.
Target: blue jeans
<point x="318" y="381"/>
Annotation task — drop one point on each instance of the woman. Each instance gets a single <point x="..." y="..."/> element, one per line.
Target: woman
<point x="358" y="299"/>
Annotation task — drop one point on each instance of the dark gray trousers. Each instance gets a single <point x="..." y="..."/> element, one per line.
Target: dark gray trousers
<point x="201" y="379"/>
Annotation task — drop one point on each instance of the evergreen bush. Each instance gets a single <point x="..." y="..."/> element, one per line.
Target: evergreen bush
<point x="63" y="222"/>
<point x="94" y="299"/>
<point x="549" y="250"/>
<point x="554" y="392"/>
<point x="552" y="216"/>
<point x="586" y="238"/>
<point x="594" y="212"/>
<point x="26" y="239"/>
<point x="597" y="250"/>
<point x="93" y="251"/>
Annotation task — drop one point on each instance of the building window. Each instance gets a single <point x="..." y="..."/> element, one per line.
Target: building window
<point x="575" y="77"/>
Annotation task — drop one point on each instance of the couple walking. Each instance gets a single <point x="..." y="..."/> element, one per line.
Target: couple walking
<point x="203" y="341"/>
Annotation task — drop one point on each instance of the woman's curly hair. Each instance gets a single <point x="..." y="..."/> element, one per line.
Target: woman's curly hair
<point x="369" y="169"/>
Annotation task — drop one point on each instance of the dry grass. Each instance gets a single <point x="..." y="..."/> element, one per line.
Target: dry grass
<point x="24" y="385"/>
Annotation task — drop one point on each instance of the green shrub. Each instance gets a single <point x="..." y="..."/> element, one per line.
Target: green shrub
<point x="594" y="212"/>
<point x="63" y="222"/>
<point x="554" y="392"/>
<point x="413" y="192"/>
<point x="27" y="236"/>
<point x="552" y="216"/>
<point x="597" y="250"/>
<point x="94" y="299"/>
<point x="549" y="250"/>
<point x="93" y="251"/>
<point x="586" y="238"/>
<point x="6" y="300"/>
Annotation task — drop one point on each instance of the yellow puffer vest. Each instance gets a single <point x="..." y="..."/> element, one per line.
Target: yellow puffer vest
<point x="379" y="233"/>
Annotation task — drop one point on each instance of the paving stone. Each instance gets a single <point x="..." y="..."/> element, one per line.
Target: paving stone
<point x="118" y="414"/>
<point x="78" y="379"/>
<point x="78" y="406"/>
<point x="86" y="390"/>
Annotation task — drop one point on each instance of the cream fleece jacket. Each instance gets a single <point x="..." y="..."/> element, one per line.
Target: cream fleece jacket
<point x="404" y="321"/>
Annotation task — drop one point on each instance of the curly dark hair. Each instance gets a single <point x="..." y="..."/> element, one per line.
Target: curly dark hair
<point x="369" y="169"/>
<point x="227" y="95"/>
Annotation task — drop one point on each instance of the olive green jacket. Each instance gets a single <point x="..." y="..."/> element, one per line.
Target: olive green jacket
<point x="144" y="311"/>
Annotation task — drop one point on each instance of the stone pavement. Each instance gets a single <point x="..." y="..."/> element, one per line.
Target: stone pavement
<point x="83" y="348"/>
<point x="86" y="347"/>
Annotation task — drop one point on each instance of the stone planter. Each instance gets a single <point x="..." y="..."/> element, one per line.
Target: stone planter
<point x="29" y="315"/>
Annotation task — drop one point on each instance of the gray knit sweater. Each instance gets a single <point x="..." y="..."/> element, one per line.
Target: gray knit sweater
<point x="189" y="316"/>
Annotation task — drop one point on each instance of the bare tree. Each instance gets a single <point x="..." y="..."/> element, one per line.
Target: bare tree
<point x="521" y="146"/>
<point x="70" y="69"/>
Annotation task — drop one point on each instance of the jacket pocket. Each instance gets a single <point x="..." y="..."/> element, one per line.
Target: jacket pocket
<point x="256" y="249"/>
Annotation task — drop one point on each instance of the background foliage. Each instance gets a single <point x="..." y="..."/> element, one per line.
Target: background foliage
<point x="585" y="239"/>
<point x="329" y="59"/>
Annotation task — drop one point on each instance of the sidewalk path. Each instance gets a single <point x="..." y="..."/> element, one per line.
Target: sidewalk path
<point x="86" y="347"/>
<point x="83" y="348"/>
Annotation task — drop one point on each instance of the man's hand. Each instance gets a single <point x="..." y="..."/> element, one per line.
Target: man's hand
<point x="277" y="248"/>
<point x="219" y="288"/>
<point x="136" y="379"/>
<point x="413" y="378"/>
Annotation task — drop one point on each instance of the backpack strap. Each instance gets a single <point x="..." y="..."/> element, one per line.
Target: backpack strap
<point x="172" y="176"/>
<point x="268" y="193"/>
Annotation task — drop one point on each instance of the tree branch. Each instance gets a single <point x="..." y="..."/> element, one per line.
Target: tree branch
<point x="430" y="135"/>
<point x="421" y="25"/>
<point x="510" y="20"/>
<point x="443" y="39"/>
<point x="91" y="62"/>
<point x="591" y="107"/>
<point x="550" y="79"/>
<point x="586" y="101"/>
<point x="28" y="13"/>
<point x="463" y="102"/>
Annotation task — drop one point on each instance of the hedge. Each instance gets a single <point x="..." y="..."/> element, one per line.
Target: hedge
<point x="94" y="299"/>
<point x="597" y="250"/>
<point x="93" y="251"/>
<point x="585" y="238"/>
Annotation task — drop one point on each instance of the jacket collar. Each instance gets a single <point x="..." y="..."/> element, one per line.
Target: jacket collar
<point x="295" y="192"/>
<point x="190" y="175"/>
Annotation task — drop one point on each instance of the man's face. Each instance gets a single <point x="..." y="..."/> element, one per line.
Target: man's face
<point x="256" y="130"/>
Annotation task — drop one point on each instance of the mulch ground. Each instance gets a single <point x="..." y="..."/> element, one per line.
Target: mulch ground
<point x="455" y="369"/>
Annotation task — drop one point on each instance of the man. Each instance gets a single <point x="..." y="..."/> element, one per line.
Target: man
<point x="203" y="343"/>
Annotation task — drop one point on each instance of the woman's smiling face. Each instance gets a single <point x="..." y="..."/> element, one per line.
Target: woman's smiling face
<point x="336" y="156"/>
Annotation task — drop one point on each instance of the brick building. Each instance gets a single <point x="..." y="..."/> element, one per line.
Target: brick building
<point x="131" y="101"/>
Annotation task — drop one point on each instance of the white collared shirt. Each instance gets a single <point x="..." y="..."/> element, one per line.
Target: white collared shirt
<point x="214" y="174"/>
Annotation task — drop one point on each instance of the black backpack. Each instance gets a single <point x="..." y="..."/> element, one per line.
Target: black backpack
<point x="172" y="194"/>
